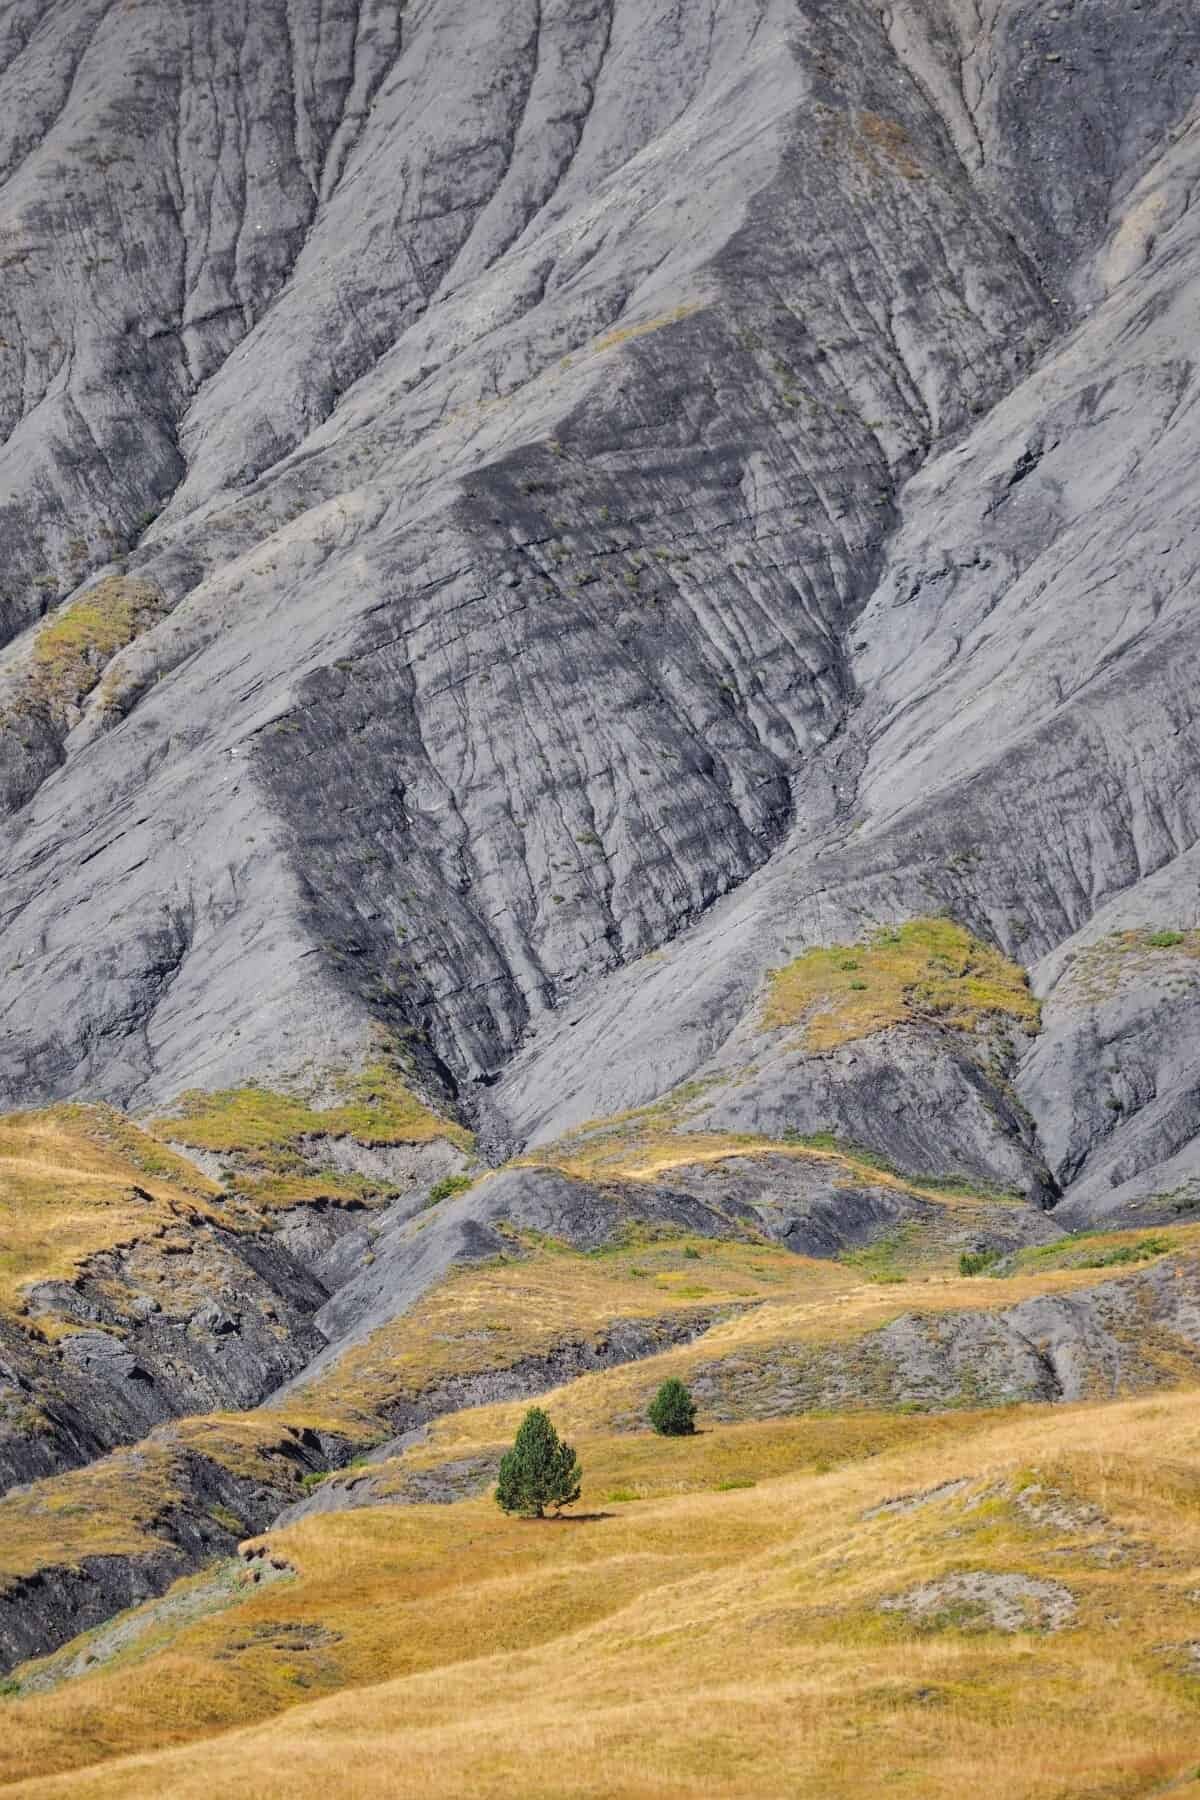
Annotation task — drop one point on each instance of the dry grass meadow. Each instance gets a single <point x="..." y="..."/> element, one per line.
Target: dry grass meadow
<point x="727" y="1634"/>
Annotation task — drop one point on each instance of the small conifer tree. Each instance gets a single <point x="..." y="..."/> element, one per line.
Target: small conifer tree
<point x="673" y="1411"/>
<point x="539" y="1471"/>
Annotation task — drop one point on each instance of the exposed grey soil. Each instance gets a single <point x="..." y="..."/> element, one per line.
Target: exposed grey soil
<point x="980" y="1600"/>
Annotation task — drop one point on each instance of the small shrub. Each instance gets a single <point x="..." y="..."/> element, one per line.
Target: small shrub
<point x="539" y="1471"/>
<point x="692" y="1254"/>
<point x="672" y="1412"/>
<point x="1164" y="940"/>
<point x="978" y="1262"/>
<point x="449" y="1184"/>
<point x="227" y="1520"/>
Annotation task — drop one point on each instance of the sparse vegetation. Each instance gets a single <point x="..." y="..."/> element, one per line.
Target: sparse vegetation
<point x="978" y="1262"/>
<point x="625" y="334"/>
<point x="929" y="970"/>
<point x="1101" y="969"/>
<point x="1099" y="1250"/>
<point x="373" y="1106"/>
<point x="73" y="647"/>
<point x="648" y="1142"/>
<point x="448" y="1185"/>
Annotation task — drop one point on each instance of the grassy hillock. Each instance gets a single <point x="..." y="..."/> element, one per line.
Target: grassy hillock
<point x="928" y="970"/>
<point x="373" y="1106"/>
<point x="75" y="1180"/>
<point x="650" y="1143"/>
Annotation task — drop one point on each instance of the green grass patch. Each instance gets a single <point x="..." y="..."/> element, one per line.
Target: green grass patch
<point x="978" y="1262"/>
<point x="1095" y="1250"/>
<point x="74" y="646"/>
<point x="374" y="1108"/>
<point x="449" y="1184"/>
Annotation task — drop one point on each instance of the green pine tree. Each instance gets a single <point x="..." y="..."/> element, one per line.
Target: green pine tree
<point x="539" y="1471"/>
<point x="672" y="1411"/>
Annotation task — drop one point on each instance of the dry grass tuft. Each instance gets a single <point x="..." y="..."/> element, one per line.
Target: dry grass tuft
<point x="626" y="334"/>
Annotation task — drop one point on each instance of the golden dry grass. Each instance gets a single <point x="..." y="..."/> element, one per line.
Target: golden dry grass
<point x="73" y="647"/>
<point x="717" y="1640"/>
<point x="75" y="1180"/>
<point x="717" y="1632"/>
<point x="78" y="1180"/>
<point x="115" y="1506"/>
<point x="493" y="1315"/>
<point x="815" y="1304"/>
<point x="105" y="1509"/>
<point x="927" y="969"/>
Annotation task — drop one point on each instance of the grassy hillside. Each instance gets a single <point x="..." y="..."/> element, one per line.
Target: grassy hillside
<point x="999" y="1603"/>
<point x="875" y="1568"/>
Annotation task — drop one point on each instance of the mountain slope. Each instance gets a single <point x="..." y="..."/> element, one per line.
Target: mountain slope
<point x="527" y="483"/>
<point x="597" y="781"/>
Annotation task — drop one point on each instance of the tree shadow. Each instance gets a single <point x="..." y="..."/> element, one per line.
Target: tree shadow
<point x="571" y="1518"/>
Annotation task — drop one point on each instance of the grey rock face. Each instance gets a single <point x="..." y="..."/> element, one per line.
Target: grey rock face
<point x="152" y="1336"/>
<point x="634" y="492"/>
<point x="526" y="507"/>
<point x="631" y="492"/>
<point x="1118" y="1337"/>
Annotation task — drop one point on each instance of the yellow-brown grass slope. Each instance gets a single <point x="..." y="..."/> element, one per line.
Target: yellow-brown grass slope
<point x="733" y="1639"/>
